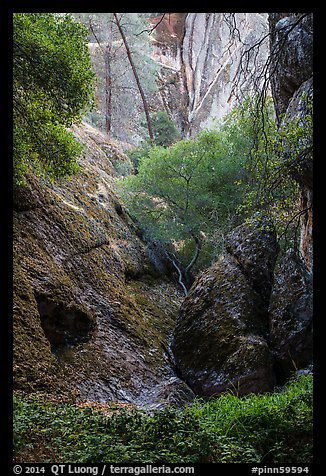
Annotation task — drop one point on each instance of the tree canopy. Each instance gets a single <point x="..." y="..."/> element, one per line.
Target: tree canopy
<point x="194" y="191"/>
<point x="188" y="193"/>
<point x="52" y="88"/>
<point x="164" y="129"/>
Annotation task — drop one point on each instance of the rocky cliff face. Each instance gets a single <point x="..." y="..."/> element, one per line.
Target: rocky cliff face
<point x="291" y="311"/>
<point x="291" y="316"/>
<point x="291" y="71"/>
<point x="291" y="46"/>
<point x="92" y="312"/>
<point x="201" y="71"/>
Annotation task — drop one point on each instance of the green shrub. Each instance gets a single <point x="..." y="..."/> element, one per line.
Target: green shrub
<point x="164" y="129"/>
<point x="52" y="89"/>
<point x="268" y="428"/>
<point x="123" y="167"/>
<point x="138" y="153"/>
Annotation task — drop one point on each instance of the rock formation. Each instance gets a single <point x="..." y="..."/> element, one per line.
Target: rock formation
<point x="221" y="337"/>
<point x="291" y="316"/>
<point x="236" y="328"/>
<point x="202" y="73"/>
<point x="291" y="47"/>
<point x="291" y="72"/>
<point x="242" y="326"/>
<point x="291" y="310"/>
<point x="92" y="312"/>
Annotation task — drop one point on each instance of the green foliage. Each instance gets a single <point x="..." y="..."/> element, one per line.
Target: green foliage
<point x="245" y="167"/>
<point x="164" y="130"/>
<point x="276" y="159"/>
<point x="192" y="187"/>
<point x="143" y="150"/>
<point x="52" y="88"/>
<point x="267" y="428"/>
<point x="123" y="167"/>
<point x="295" y="137"/>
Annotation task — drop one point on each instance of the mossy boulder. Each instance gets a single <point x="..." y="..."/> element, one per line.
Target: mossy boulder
<point x="291" y="315"/>
<point x="254" y="246"/>
<point x="92" y="312"/>
<point x="220" y="341"/>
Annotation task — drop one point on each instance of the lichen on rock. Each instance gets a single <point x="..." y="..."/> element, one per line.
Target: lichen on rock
<point x="291" y="67"/>
<point x="220" y="340"/>
<point x="291" y="316"/>
<point x="291" y="44"/>
<point x="92" y="314"/>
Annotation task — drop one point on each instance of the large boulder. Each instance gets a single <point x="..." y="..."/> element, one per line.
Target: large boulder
<point x="291" y="316"/>
<point x="220" y="340"/>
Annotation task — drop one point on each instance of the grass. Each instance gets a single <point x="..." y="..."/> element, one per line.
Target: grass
<point x="267" y="428"/>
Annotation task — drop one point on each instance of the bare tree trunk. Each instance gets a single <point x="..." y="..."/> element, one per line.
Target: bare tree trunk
<point x="108" y="92"/>
<point x="108" y="79"/>
<point x="149" y="126"/>
<point x="196" y="254"/>
<point x="184" y="280"/>
<point x="182" y="284"/>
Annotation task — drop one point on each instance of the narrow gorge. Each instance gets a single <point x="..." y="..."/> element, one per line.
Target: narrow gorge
<point x="96" y="305"/>
<point x="98" y="312"/>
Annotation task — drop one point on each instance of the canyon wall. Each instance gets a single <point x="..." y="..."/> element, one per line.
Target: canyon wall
<point x="94" y="307"/>
<point x="204" y="67"/>
<point x="247" y="322"/>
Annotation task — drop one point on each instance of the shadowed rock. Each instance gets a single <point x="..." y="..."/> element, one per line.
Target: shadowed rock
<point x="220" y="338"/>
<point x="291" y="314"/>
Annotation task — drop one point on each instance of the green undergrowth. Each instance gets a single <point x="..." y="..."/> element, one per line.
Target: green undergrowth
<point x="272" y="427"/>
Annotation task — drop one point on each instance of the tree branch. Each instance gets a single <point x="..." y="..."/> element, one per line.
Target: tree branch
<point x="154" y="27"/>
<point x="297" y="215"/>
<point x="195" y="257"/>
<point x="94" y="34"/>
<point x="185" y="290"/>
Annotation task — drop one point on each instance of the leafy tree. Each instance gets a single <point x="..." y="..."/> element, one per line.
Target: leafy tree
<point x="193" y="192"/>
<point x="136" y="154"/>
<point x="52" y="88"/>
<point x="184" y="192"/>
<point x="164" y="130"/>
<point x="165" y="133"/>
